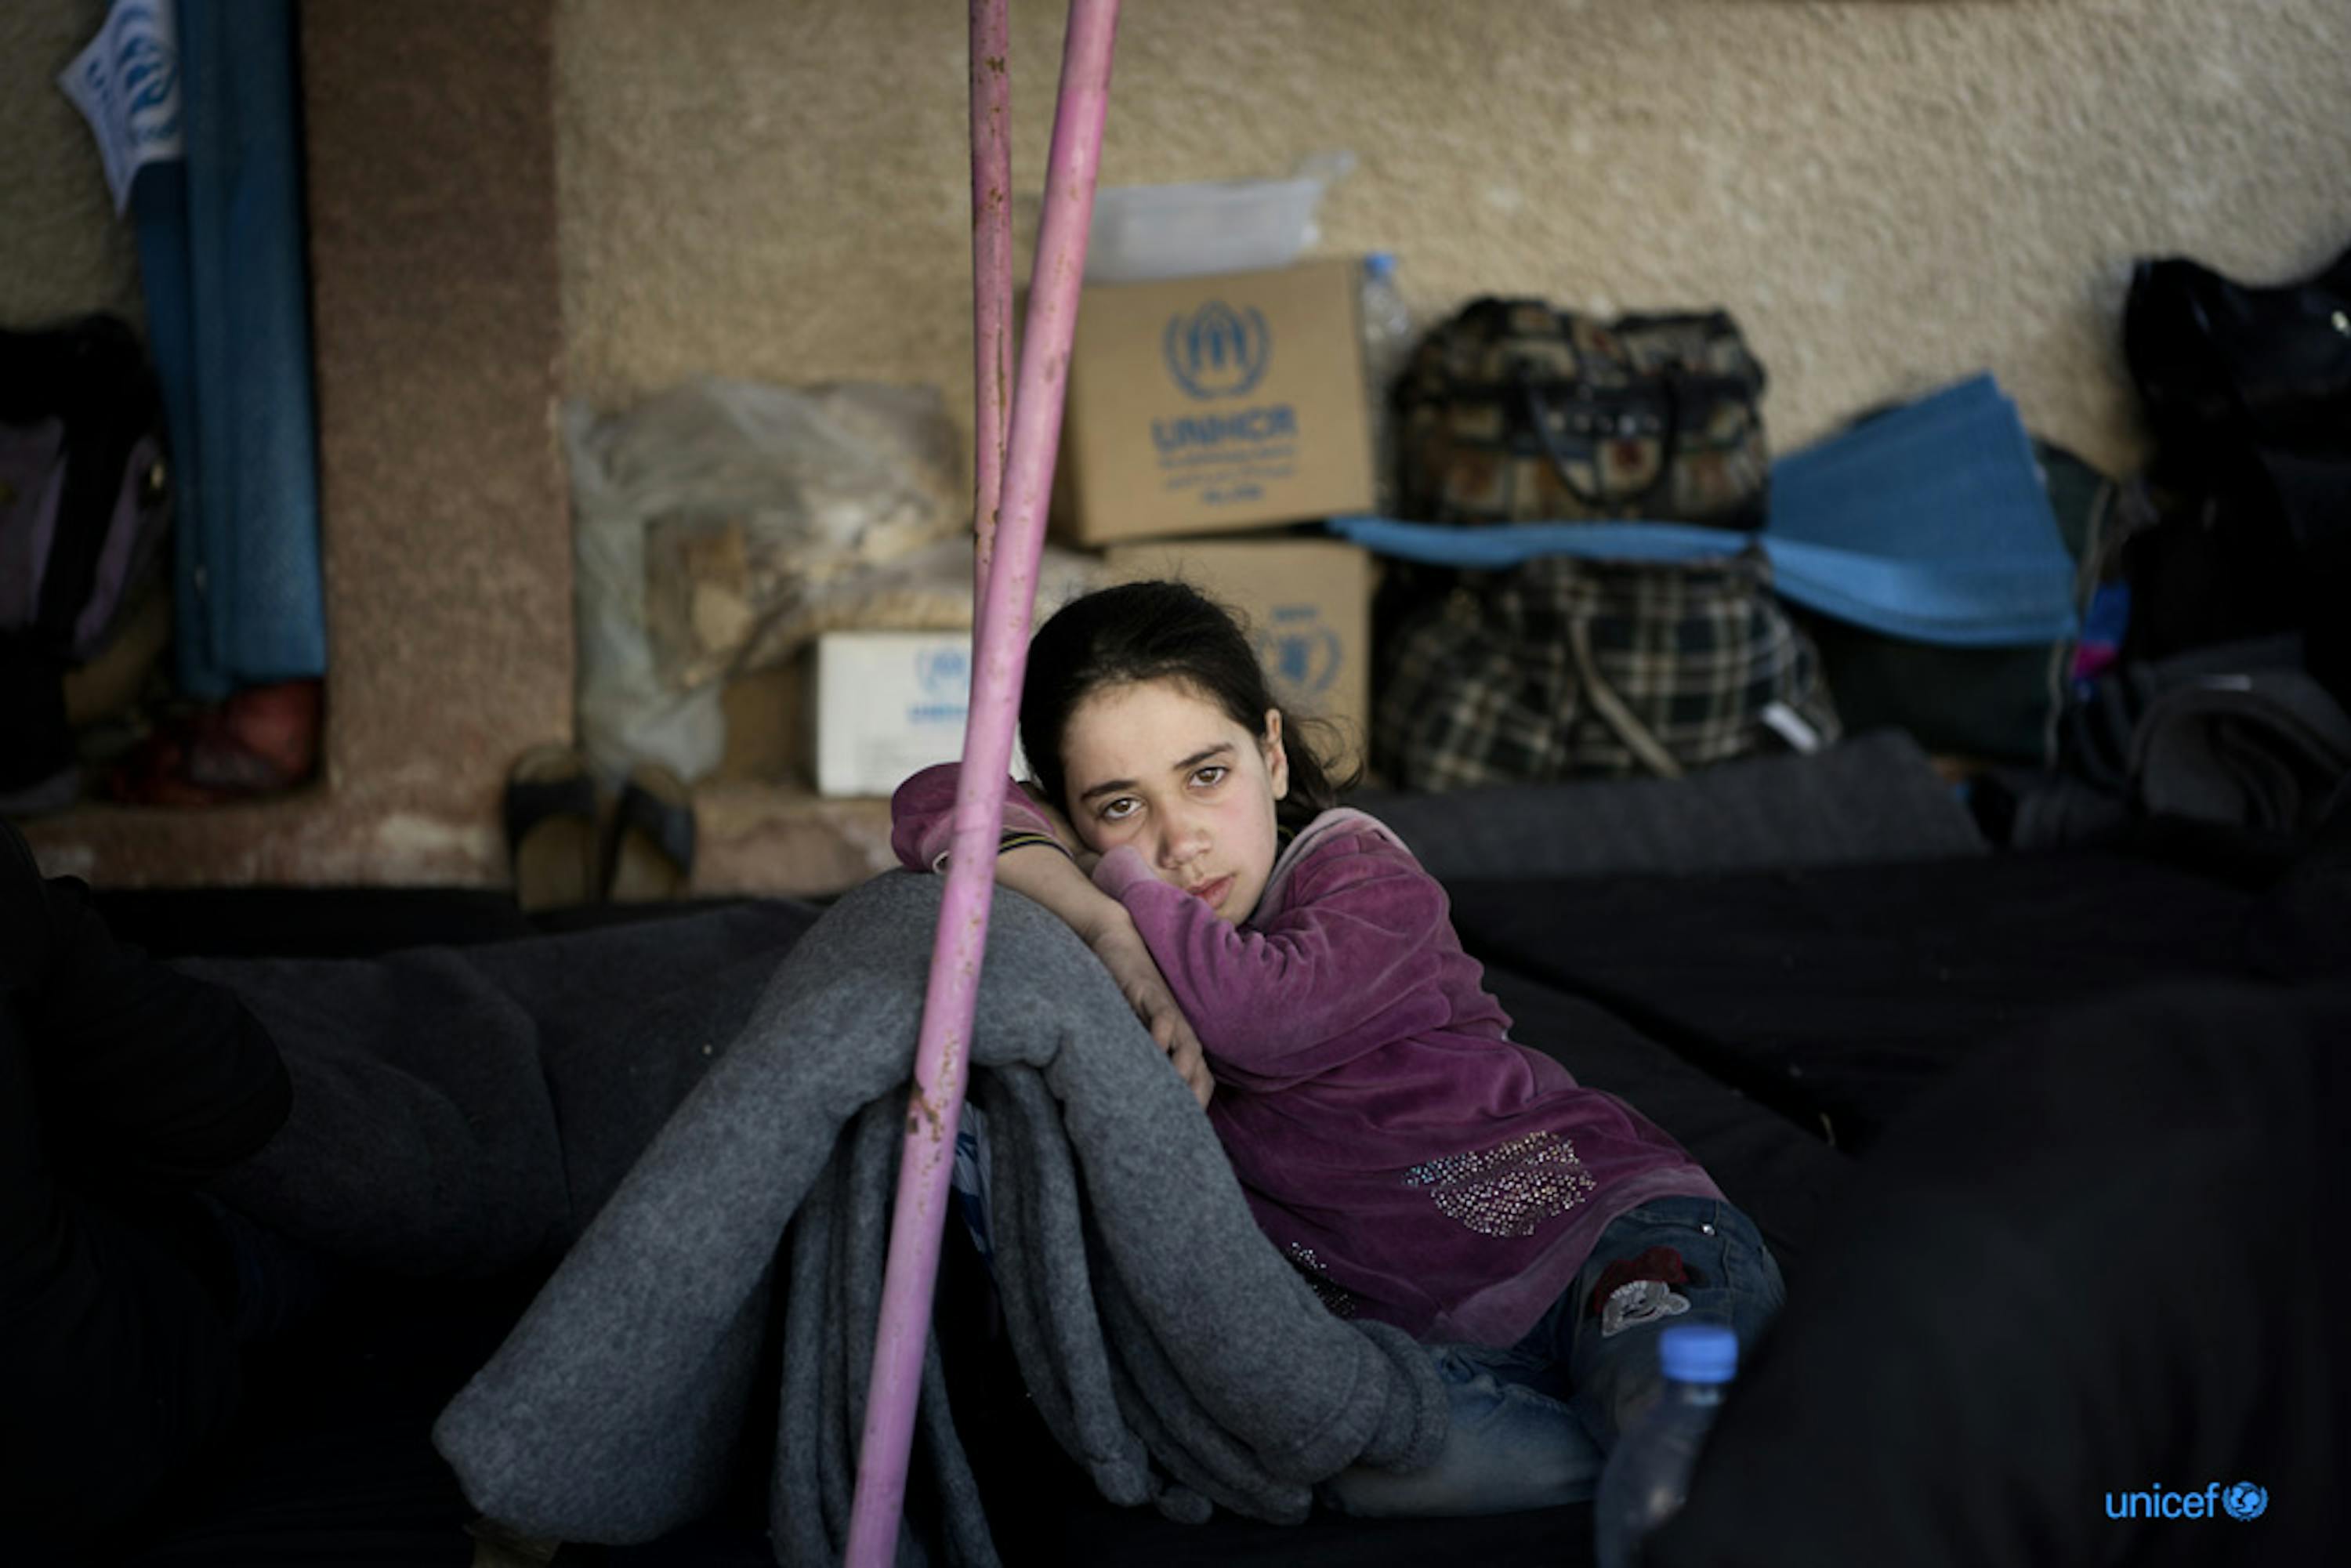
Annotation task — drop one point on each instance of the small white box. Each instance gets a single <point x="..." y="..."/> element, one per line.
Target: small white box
<point x="888" y="705"/>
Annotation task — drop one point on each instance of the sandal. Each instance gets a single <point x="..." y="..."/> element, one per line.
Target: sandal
<point x="550" y="821"/>
<point x="649" y="856"/>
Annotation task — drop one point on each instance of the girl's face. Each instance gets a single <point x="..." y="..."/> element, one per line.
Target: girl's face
<point x="1155" y="765"/>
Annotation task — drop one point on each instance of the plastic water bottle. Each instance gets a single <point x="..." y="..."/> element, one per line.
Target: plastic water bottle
<point x="1648" y="1472"/>
<point x="1387" y="344"/>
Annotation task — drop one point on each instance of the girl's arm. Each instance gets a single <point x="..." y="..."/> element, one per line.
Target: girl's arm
<point x="1053" y="880"/>
<point x="920" y="828"/>
<point x="1349" y="963"/>
<point x="921" y="817"/>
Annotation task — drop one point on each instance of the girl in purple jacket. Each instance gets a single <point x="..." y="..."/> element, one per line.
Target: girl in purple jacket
<point x="1302" y="971"/>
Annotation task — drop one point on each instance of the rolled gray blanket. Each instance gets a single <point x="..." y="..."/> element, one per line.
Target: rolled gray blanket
<point x="614" y="1410"/>
<point x="2265" y="749"/>
<point x="1873" y="800"/>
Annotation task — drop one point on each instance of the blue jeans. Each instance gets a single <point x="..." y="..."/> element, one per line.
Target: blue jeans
<point x="1533" y="1425"/>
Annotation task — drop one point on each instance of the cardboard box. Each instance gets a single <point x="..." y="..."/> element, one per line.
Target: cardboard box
<point x="769" y="725"/>
<point x="1206" y="404"/>
<point x="888" y="705"/>
<point x="1307" y="604"/>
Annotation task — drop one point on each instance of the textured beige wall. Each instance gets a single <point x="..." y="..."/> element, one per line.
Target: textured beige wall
<point x="1888" y="194"/>
<point x="61" y="250"/>
<point x="437" y="335"/>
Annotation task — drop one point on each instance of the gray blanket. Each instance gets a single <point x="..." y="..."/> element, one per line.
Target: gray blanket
<point x="1169" y="1347"/>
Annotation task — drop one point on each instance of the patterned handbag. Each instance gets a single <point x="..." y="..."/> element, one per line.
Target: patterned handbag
<point x="1516" y="412"/>
<point x="1563" y="667"/>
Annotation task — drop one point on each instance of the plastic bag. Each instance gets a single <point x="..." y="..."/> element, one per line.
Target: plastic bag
<point x="1141" y="233"/>
<point x="722" y="526"/>
<point x="718" y="510"/>
<point x="625" y="714"/>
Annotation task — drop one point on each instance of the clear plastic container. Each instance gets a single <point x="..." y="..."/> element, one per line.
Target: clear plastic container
<point x="1145" y="232"/>
<point x="1387" y="347"/>
<point x="1648" y="1473"/>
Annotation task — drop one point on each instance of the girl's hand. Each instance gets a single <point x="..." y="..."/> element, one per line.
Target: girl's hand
<point x="1121" y="949"/>
<point x="1102" y="923"/>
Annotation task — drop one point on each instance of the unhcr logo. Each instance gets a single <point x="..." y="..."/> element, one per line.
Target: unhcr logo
<point x="1297" y="651"/>
<point x="1216" y="351"/>
<point x="943" y="673"/>
<point x="147" y="78"/>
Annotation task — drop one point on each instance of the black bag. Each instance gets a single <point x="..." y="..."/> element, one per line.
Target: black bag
<point x="2248" y="390"/>
<point x="1516" y="412"/>
<point x="1564" y="667"/>
<point x="84" y="502"/>
<point x="2225" y="369"/>
<point x="1998" y="704"/>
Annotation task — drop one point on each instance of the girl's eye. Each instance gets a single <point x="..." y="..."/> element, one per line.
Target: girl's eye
<point x="1211" y="776"/>
<point x="1119" y="809"/>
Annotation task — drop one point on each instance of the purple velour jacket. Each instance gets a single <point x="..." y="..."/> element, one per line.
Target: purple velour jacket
<point x="1420" y="1166"/>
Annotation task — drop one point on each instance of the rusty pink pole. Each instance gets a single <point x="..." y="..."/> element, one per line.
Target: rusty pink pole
<point x="992" y="272"/>
<point x="1000" y="654"/>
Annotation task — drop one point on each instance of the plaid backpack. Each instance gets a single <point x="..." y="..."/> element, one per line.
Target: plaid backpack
<point x="1565" y="666"/>
<point x="1516" y="412"/>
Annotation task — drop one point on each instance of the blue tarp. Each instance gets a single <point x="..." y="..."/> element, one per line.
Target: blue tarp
<point x="1928" y="523"/>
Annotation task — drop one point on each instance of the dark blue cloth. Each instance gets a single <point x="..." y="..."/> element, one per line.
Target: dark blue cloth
<point x="221" y="241"/>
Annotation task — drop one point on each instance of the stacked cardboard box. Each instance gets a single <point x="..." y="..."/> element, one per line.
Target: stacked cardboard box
<point x="1204" y="416"/>
<point x="1205" y="413"/>
<point x="1209" y="404"/>
<point x="1306" y="604"/>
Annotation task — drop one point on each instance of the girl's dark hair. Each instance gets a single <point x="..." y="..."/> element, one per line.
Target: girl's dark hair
<point x="1150" y="631"/>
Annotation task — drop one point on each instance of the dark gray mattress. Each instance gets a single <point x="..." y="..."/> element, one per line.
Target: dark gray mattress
<point x="1751" y="1012"/>
<point x="333" y="1462"/>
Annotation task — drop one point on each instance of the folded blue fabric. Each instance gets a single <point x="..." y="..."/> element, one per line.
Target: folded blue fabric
<point x="1929" y="522"/>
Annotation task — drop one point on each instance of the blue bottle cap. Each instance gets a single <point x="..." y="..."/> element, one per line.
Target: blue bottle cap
<point x="1379" y="264"/>
<point x="1698" y="1353"/>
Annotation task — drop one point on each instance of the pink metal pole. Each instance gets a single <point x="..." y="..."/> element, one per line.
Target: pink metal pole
<point x="991" y="271"/>
<point x="999" y="660"/>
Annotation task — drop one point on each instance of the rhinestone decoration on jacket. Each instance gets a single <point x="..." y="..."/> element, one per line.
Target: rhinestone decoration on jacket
<point x="1336" y="1300"/>
<point x="1508" y="1190"/>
